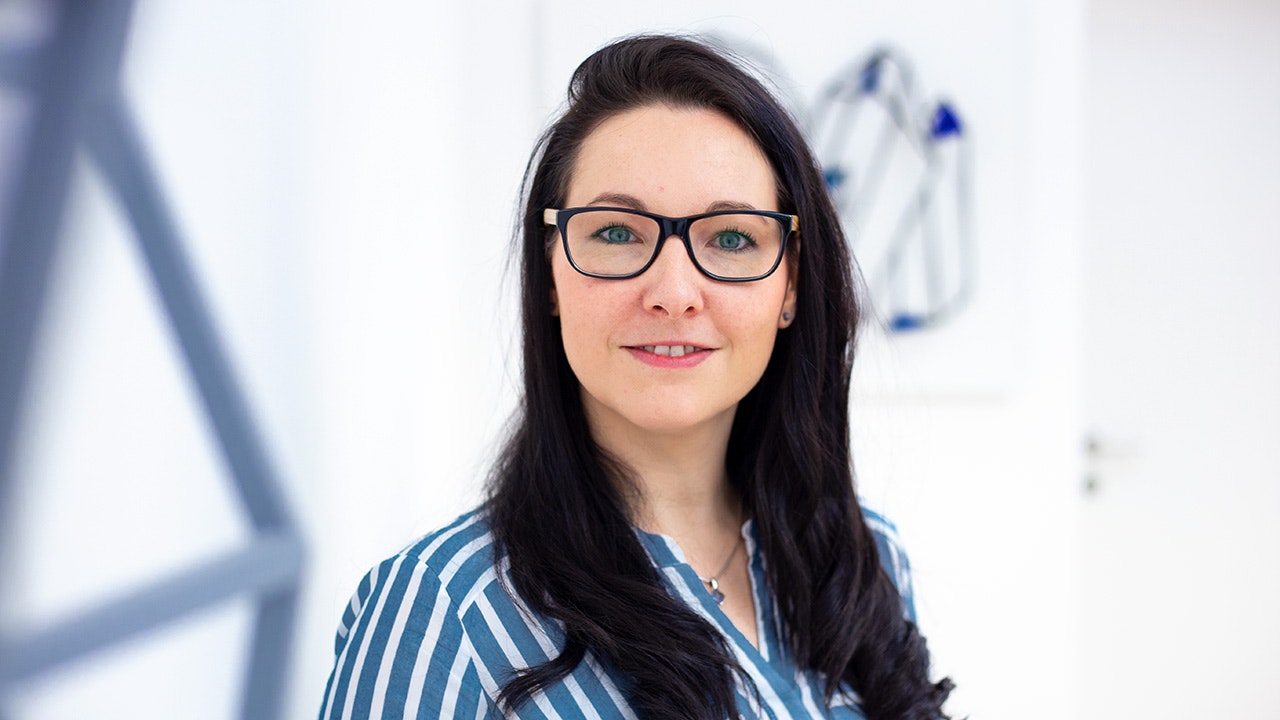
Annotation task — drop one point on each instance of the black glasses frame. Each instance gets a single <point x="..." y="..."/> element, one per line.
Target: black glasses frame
<point x="671" y="226"/>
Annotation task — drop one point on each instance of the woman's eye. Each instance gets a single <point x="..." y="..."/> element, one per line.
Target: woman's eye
<point x="616" y="235"/>
<point x="730" y="240"/>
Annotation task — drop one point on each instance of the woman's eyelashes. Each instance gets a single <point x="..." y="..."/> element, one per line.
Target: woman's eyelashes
<point x="616" y="235"/>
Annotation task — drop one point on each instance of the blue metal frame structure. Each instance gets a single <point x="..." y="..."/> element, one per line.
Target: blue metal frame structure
<point x="72" y="82"/>
<point x="926" y="129"/>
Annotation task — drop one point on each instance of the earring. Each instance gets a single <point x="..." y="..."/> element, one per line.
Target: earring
<point x="786" y="316"/>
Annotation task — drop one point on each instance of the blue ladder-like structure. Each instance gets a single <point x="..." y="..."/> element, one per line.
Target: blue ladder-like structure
<point x="71" y="80"/>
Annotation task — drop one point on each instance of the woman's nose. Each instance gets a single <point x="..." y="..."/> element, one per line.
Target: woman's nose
<point x="674" y="283"/>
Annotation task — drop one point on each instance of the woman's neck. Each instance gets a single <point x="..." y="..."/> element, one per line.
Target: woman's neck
<point x="680" y="486"/>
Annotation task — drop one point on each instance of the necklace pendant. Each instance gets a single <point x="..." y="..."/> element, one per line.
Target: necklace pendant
<point x="713" y="587"/>
<point x="713" y="583"/>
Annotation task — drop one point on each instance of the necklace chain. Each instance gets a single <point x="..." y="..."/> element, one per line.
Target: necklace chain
<point x="713" y="582"/>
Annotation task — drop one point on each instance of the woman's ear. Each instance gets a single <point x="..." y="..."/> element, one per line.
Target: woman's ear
<point x="788" y="314"/>
<point x="555" y="303"/>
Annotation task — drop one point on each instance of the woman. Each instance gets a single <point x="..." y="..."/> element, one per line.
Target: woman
<point x="672" y="529"/>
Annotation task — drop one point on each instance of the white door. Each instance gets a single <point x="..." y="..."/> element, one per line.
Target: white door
<point x="1181" y="579"/>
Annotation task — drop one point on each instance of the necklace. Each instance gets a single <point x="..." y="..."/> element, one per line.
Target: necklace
<point x="713" y="582"/>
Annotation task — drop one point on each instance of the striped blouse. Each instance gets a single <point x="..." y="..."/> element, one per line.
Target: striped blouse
<point x="433" y="633"/>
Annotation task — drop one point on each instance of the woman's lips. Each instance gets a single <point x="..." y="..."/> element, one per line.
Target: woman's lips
<point x="674" y="355"/>
<point x="672" y="350"/>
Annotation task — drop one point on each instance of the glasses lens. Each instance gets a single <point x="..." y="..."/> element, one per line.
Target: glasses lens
<point x="737" y="245"/>
<point x="611" y="242"/>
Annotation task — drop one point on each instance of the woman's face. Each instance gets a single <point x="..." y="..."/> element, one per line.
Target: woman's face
<point x="673" y="162"/>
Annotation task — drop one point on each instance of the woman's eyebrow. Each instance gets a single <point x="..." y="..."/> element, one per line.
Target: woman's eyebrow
<point x="730" y="205"/>
<point x="618" y="200"/>
<point x="612" y="199"/>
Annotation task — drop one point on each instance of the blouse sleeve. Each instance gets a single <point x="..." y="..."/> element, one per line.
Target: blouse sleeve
<point x="893" y="558"/>
<point x="401" y="651"/>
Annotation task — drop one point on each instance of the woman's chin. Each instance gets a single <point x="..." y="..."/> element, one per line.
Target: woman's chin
<point x="670" y="417"/>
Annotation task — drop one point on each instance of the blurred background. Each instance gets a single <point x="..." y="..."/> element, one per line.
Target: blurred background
<point x="1082" y="461"/>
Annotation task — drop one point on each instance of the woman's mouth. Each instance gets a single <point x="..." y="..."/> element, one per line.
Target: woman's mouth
<point x="670" y="356"/>
<point x="670" y="350"/>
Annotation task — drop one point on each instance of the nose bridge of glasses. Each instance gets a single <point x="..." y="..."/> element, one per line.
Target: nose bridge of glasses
<point x="679" y="229"/>
<point x="673" y="226"/>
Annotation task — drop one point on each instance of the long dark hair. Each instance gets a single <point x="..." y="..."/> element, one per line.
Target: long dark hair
<point x="555" y="504"/>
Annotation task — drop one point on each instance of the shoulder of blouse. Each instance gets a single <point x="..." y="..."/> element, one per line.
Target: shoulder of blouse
<point x="893" y="557"/>
<point x="402" y="645"/>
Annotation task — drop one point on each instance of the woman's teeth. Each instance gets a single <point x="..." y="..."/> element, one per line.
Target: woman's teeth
<point x="670" y="350"/>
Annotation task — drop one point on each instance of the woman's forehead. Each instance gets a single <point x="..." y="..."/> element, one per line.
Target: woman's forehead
<point x="665" y="157"/>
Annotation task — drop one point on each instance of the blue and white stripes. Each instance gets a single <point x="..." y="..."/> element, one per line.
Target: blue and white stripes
<point x="433" y="633"/>
<point x="893" y="558"/>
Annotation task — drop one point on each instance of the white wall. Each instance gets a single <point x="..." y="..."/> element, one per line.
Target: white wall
<point x="419" y="122"/>
<point x="1180" y="540"/>
<point x="347" y="176"/>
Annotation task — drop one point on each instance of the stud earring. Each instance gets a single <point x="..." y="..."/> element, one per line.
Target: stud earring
<point x="786" y="316"/>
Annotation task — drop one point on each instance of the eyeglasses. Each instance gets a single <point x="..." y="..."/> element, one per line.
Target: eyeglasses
<point x="619" y="243"/>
